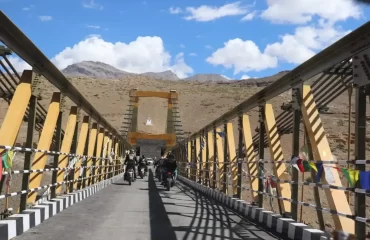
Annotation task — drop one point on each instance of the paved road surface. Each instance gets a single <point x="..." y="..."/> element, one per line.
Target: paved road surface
<point x="144" y="211"/>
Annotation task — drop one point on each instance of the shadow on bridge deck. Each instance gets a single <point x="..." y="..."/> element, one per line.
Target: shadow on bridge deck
<point x="145" y="211"/>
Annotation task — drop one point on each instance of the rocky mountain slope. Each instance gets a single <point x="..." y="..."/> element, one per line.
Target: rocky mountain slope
<point x="203" y="78"/>
<point x="167" y="75"/>
<point x="92" y="69"/>
<point x="99" y="70"/>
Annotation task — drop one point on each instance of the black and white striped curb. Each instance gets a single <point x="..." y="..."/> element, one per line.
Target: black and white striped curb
<point x="287" y="227"/>
<point x="17" y="224"/>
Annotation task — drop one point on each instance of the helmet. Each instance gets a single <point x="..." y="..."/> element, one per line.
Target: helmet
<point x="170" y="156"/>
<point x="132" y="151"/>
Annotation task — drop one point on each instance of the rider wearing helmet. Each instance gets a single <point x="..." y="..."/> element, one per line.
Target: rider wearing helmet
<point x="142" y="164"/>
<point x="169" y="164"/>
<point x="131" y="162"/>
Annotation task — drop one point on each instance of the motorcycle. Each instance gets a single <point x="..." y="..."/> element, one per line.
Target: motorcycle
<point x="170" y="181"/>
<point x="158" y="173"/>
<point x="130" y="176"/>
<point x="142" y="173"/>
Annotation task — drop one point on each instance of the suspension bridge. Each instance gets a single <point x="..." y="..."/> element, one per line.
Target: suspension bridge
<point x="234" y="181"/>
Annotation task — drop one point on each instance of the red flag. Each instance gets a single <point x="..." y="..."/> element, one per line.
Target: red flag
<point x="300" y="165"/>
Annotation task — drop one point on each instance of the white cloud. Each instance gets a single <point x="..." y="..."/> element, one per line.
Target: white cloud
<point x="243" y="56"/>
<point x="175" y="10"/>
<point x="145" y="54"/>
<point x="207" y="13"/>
<point x="249" y="16"/>
<point x="193" y="54"/>
<point x="303" y="11"/>
<point x="28" y="8"/>
<point x="19" y="64"/>
<point x="305" y="43"/>
<point x="91" y="4"/>
<point x="45" y="18"/>
<point x="179" y="67"/>
<point x="93" y="26"/>
<point x="245" y="77"/>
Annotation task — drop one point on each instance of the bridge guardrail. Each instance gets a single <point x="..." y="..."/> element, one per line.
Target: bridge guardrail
<point x="214" y="158"/>
<point x="88" y="141"/>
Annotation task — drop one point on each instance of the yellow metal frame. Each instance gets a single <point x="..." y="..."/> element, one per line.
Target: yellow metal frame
<point x="251" y="157"/>
<point x="321" y="151"/>
<point x="276" y="152"/>
<point x="232" y="156"/>
<point x="46" y="137"/>
<point x="66" y="145"/>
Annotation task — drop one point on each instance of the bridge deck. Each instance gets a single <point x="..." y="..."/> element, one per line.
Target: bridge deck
<point x="145" y="211"/>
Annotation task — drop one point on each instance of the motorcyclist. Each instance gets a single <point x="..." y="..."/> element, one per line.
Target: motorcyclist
<point x="131" y="162"/>
<point x="142" y="164"/>
<point x="170" y="164"/>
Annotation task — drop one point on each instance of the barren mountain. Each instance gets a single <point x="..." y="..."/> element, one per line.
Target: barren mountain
<point x="92" y="69"/>
<point x="166" y="75"/>
<point x="99" y="70"/>
<point x="207" y="78"/>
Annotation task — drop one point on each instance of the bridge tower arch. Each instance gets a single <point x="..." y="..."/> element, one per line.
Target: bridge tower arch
<point x="153" y="142"/>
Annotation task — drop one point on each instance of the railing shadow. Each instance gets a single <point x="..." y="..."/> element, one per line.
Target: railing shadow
<point x="160" y="224"/>
<point x="212" y="220"/>
<point x="195" y="216"/>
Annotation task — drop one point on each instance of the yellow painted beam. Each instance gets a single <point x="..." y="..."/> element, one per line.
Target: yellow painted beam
<point x="90" y="151"/>
<point x="194" y="161"/>
<point x="197" y="159"/>
<point x="116" y="158"/>
<point x="232" y="156"/>
<point x="321" y="151"/>
<point x="40" y="159"/>
<point x="189" y="155"/>
<point x="204" y="163"/>
<point x="66" y="146"/>
<point x="221" y="159"/>
<point x="82" y="139"/>
<point x="154" y="94"/>
<point x="169" y="138"/>
<point x="16" y="110"/>
<point x="98" y="154"/>
<point x="108" y="169"/>
<point x="211" y="156"/>
<point x="251" y="157"/>
<point x="104" y="155"/>
<point x="276" y="152"/>
<point x="139" y="135"/>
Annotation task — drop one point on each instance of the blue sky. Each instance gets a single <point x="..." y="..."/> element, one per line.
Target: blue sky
<point x="233" y="38"/>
